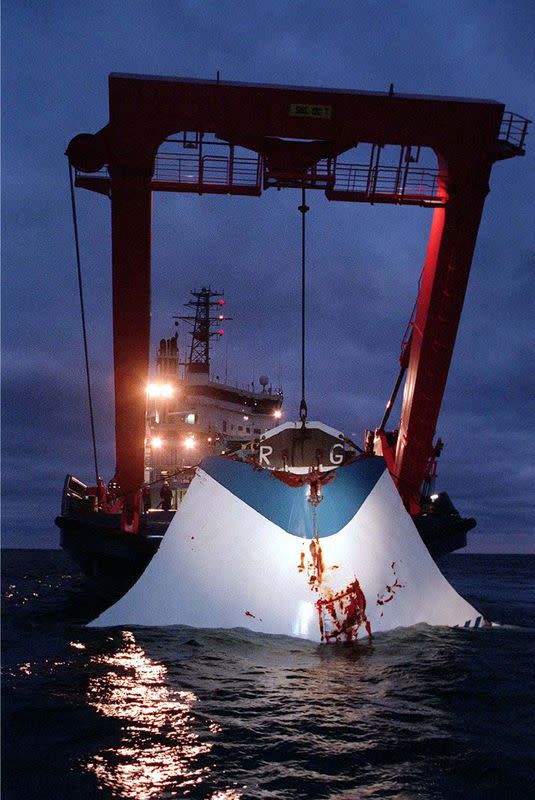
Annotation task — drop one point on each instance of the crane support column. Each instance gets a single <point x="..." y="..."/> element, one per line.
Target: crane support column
<point x="444" y="280"/>
<point x="131" y="203"/>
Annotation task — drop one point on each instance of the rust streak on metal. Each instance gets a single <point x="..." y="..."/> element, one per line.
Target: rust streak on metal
<point x="390" y="589"/>
<point x="347" y="612"/>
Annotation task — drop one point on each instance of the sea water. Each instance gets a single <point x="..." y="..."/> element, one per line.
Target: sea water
<point x="145" y="713"/>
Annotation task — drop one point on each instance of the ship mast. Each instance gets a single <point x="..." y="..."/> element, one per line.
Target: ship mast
<point x="205" y="325"/>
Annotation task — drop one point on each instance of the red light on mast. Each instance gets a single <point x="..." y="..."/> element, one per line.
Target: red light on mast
<point x="221" y="302"/>
<point x="220" y="332"/>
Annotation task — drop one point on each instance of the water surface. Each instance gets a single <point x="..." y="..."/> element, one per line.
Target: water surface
<point x="145" y="713"/>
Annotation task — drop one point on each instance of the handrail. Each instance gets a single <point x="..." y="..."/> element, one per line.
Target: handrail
<point x="514" y="129"/>
<point x="365" y="182"/>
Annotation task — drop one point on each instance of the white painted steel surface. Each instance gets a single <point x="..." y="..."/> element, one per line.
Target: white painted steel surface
<point x="222" y="564"/>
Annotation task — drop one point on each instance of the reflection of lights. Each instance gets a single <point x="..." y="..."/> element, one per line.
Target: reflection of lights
<point x="160" y="390"/>
<point x="277" y="413"/>
<point x="189" y="442"/>
<point x="157" y="441"/>
<point x="304" y="617"/>
<point x="159" y="750"/>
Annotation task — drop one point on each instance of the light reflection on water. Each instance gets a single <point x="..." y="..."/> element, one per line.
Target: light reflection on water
<point x="159" y="747"/>
<point x="413" y="714"/>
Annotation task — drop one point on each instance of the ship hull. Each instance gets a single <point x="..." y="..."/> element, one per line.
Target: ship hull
<point x="113" y="560"/>
<point x="110" y="559"/>
<point x="246" y="549"/>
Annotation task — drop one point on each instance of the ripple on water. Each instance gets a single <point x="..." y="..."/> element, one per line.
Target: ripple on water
<point x="151" y="713"/>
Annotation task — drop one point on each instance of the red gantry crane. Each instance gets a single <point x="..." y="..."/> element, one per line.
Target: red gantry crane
<point x="186" y="135"/>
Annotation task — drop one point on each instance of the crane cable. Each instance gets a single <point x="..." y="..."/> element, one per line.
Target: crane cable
<point x="303" y="208"/>
<point x="82" y="311"/>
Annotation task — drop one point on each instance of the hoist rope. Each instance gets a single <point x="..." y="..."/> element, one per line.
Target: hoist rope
<point x="303" y="208"/>
<point x="82" y="311"/>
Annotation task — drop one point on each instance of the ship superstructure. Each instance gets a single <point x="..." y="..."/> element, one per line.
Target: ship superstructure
<point x="192" y="414"/>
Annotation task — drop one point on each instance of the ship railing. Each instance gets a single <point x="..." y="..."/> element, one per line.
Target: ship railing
<point x="74" y="492"/>
<point x="513" y="130"/>
<point x="207" y="170"/>
<point x="388" y="184"/>
<point x="216" y="174"/>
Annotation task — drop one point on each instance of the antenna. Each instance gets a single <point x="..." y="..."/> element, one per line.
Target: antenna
<point x="205" y="325"/>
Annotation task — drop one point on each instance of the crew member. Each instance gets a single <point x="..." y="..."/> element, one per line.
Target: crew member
<point x="146" y="494"/>
<point x="167" y="495"/>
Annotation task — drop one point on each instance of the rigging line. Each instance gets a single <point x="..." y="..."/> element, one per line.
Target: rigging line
<point x="82" y="311"/>
<point x="303" y="208"/>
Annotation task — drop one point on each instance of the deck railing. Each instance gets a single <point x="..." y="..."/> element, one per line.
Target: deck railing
<point x="222" y="174"/>
<point x="514" y="129"/>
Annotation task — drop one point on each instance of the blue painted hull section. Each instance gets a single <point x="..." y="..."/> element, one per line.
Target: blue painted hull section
<point x="288" y="507"/>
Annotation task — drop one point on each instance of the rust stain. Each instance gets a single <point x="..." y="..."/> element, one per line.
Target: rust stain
<point x="250" y="614"/>
<point x="390" y="590"/>
<point x="316" y="555"/>
<point x="345" y="613"/>
<point x="314" y="566"/>
<point x="315" y="479"/>
<point x="342" y="613"/>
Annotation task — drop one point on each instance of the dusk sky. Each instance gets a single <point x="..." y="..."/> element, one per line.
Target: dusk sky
<point x="364" y="260"/>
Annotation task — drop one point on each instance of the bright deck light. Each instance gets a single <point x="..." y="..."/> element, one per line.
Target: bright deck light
<point x="189" y="443"/>
<point x="160" y="390"/>
<point x="277" y="413"/>
<point x="157" y="441"/>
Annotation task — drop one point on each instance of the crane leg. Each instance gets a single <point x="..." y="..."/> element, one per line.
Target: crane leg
<point x="131" y="260"/>
<point x="438" y="310"/>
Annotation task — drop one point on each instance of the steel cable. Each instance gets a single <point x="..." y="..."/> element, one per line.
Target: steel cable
<point x="82" y="311"/>
<point x="303" y="208"/>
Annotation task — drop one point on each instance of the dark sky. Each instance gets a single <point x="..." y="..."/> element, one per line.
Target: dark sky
<point x="364" y="261"/>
